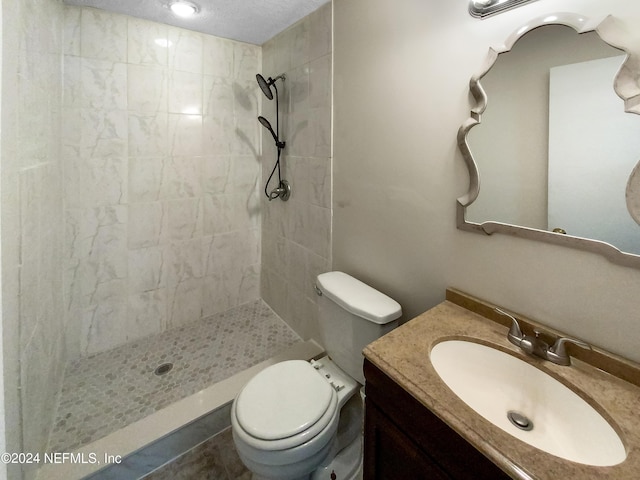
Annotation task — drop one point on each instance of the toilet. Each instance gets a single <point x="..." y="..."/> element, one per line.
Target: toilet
<point x="303" y="420"/>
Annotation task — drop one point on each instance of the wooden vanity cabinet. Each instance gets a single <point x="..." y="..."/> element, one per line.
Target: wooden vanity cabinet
<point x="403" y="440"/>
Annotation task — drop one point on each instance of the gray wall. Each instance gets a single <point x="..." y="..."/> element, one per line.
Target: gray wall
<point x="401" y="74"/>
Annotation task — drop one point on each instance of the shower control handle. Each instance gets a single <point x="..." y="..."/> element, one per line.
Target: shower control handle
<point x="283" y="191"/>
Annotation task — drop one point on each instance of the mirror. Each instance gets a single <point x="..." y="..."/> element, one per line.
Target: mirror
<point x="552" y="141"/>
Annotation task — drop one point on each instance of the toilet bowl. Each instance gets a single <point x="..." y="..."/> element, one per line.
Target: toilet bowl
<point x="295" y="418"/>
<point x="285" y="420"/>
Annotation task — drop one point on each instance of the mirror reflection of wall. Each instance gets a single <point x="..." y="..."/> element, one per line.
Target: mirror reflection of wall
<point x="511" y="144"/>
<point x="593" y="147"/>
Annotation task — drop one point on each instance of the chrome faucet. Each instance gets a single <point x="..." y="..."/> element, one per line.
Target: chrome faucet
<point x="556" y="353"/>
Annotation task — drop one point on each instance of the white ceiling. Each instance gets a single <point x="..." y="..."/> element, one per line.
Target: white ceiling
<point x="252" y="21"/>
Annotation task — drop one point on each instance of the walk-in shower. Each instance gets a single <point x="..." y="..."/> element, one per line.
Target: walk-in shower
<point x="141" y="223"/>
<point x="283" y="190"/>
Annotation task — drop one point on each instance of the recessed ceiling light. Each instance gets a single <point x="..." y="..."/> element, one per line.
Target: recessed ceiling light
<point x="184" y="9"/>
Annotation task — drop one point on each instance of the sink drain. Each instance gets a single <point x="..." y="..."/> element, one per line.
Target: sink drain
<point x="163" y="369"/>
<point x="520" y="421"/>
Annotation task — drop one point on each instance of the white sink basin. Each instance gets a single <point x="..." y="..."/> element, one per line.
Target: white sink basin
<point x="494" y="383"/>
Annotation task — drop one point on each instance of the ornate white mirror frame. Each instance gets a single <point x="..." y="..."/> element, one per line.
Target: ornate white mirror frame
<point x="627" y="87"/>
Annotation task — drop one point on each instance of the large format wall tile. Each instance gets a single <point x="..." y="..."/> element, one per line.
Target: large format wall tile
<point x="147" y="42"/>
<point x="103" y="35"/>
<point x="296" y="235"/>
<point x="160" y="130"/>
<point x="32" y="216"/>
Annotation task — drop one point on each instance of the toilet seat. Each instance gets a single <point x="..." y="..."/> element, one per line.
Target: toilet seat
<point x="284" y="406"/>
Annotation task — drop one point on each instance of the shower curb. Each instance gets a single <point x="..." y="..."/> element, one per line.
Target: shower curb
<point x="132" y="440"/>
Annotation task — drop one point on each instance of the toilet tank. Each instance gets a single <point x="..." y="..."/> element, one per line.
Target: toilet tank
<point x="351" y="315"/>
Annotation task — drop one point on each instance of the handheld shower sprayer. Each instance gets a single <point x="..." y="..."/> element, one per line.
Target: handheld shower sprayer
<point x="265" y="123"/>
<point x="283" y="190"/>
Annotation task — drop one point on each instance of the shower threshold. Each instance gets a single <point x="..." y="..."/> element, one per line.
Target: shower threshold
<point x="208" y="377"/>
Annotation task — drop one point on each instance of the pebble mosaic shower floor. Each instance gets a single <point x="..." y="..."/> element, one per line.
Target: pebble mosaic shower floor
<point x="107" y="391"/>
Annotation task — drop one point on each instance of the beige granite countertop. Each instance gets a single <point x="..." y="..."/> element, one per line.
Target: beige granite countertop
<point x="403" y="355"/>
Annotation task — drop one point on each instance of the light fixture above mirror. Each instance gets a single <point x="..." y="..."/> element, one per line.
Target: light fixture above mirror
<point x="485" y="8"/>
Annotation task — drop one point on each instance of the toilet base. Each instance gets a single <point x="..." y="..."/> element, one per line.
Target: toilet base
<point x="345" y="460"/>
<point x="347" y="465"/>
<point x="290" y="471"/>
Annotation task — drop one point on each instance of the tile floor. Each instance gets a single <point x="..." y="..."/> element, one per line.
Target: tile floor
<point x="110" y="390"/>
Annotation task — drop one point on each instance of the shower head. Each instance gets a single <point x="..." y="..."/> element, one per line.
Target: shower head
<point x="265" y="85"/>
<point x="265" y="123"/>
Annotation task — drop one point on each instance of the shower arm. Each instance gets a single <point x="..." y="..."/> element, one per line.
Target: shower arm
<point x="279" y="144"/>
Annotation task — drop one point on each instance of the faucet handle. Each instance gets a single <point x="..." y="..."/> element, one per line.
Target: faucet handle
<point x="559" y="351"/>
<point x="515" y="331"/>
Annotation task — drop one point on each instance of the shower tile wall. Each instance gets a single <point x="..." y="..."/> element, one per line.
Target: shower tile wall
<point x="296" y="235"/>
<point x="160" y="142"/>
<point x="32" y="219"/>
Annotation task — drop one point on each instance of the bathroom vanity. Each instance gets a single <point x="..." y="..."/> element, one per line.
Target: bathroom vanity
<point x="417" y="427"/>
<point x="403" y="439"/>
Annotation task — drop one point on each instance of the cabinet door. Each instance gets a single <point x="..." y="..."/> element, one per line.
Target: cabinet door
<point x="391" y="455"/>
<point x="430" y="446"/>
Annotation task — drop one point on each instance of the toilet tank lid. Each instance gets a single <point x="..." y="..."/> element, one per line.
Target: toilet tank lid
<point x="358" y="298"/>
